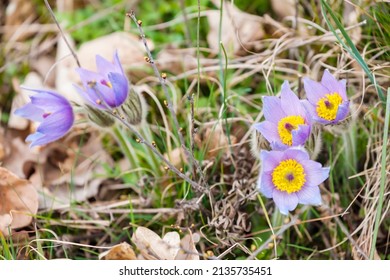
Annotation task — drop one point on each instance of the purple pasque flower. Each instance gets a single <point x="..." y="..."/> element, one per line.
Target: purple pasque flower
<point x="289" y="177"/>
<point x="52" y="111"/>
<point x="108" y="87"/>
<point x="287" y="122"/>
<point x="328" y="99"/>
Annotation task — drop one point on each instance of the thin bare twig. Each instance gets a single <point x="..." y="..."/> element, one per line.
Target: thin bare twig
<point x="62" y="33"/>
<point x="293" y="221"/>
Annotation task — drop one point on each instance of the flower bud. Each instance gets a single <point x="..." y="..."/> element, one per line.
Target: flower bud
<point x="99" y="117"/>
<point x="134" y="108"/>
<point x="258" y="143"/>
<point x="314" y="144"/>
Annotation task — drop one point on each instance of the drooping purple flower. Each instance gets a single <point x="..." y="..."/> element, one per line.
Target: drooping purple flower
<point x="52" y="111"/>
<point x="289" y="177"/>
<point x="328" y="99"/>
<point x="287" y="122"/>
<point x="108" y="87"/>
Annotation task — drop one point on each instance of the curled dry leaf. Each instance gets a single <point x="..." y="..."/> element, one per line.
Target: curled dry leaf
<point x="69" y="171"/>
<point x="239" y="29"/>
<point x="121" y="251"/>
<point x="62" y="171"/>
<point x="18" y="201"/>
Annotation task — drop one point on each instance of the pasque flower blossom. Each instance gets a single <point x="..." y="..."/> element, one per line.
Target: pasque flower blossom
<point x="290" y="177"/>
<point x="108" y="87"/>
<point x="328" y="99"/>
<point x="287" y="122"/>
<point x="52" y="111"/>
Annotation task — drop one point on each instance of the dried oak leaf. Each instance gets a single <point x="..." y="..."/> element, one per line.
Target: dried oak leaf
<point x="121" y="251"/>
<point x="68" y="172"/>
<point x="18" y="201"/>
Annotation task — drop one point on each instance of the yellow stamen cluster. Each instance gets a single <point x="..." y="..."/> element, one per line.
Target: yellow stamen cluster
<point x="286" y="126"/>
<point x="289" y="176"/>
<point x="328" y="106"/>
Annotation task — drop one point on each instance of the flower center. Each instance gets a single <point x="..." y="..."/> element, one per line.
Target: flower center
<point x="286" y="126"/>
<point x="289" y="176"/>
<point x="104" y="82"/>
<point x="328" y="106"/>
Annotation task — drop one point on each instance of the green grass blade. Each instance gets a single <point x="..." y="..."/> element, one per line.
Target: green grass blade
<point x="383" y="177"/>
<point x="349" y="45"/>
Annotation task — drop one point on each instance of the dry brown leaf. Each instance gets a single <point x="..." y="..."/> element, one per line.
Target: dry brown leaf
<point x="17" y="13"/>
<point x="176" y="157"/>
<point x="152" y="247"/>
<point x="32" y="80"/>
<point x="351" y="16"/>
<point x="143" y="238"/>
<point x="188" y="249"/>
<point x="69" y="174"/>
<point x="170" y="247"/>
<point x="172" y="239"/>
<point x="62" y="171"/>
<point x="121" y="251"/>
<point x="214" y="140"/>
<point x="284" y="8"/>
<point x="176" y="60"/>
<point x="18" y="201"/>
<point x="239" y="29"/>
<point x="3" y="145"/>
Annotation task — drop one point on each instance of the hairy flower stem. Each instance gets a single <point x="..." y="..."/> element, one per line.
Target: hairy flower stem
<point x="188" y="154"/>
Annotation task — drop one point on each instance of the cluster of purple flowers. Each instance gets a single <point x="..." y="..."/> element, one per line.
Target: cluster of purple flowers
<point x="106" y="89"/>
<point x="288" y="175"/>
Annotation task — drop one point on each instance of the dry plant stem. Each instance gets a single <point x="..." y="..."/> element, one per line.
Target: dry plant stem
<point x="188" y="154"/>
<point x="293" y="221"/>
<point x="142" y="140"/>
<point x="62" y="33"/>
<point x="187" y="32"/>
<point x="192" y="125"/>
